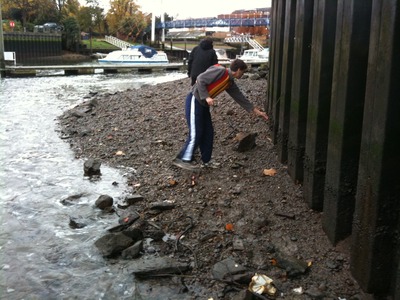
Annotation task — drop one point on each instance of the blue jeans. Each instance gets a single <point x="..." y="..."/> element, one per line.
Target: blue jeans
<point x="201" y="131"/>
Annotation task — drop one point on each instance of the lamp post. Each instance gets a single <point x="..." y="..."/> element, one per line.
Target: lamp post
<point x="268" y="28"/>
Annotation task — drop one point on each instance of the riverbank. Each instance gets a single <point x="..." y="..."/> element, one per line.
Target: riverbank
<point x="246" y="209"/>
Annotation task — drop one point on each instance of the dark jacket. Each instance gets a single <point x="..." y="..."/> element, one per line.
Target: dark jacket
<point x="201" y="58"/>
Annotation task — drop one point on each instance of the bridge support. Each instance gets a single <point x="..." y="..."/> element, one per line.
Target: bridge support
<point x="153" y="27"/>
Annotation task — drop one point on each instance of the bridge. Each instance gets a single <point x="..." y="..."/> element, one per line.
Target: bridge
<point x="216" y="22"/>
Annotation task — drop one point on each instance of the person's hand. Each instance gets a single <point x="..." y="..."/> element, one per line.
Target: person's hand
<point x="210" y="101"/>
<point x="260" y="113"/>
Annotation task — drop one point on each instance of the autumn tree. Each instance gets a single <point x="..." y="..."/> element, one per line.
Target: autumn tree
<point x="85" y="18"/>
<point x="45" y="11"/>
<point x="70" y="9"/>
<point x="91" y="16"/>
<point x="59" y="4"/>
<point x="30" y="11"/>
<point x="125" y="20"/>
<point x="18" y="7"/>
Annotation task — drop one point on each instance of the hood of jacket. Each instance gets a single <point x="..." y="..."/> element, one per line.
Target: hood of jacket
<point x="206" y="44"/>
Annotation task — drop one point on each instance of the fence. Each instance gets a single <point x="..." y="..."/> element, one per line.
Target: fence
<point x="334" y="102"/>
<point x="32" y="47"/>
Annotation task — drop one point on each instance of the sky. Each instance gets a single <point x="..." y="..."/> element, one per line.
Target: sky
<point x="184" y="9"/>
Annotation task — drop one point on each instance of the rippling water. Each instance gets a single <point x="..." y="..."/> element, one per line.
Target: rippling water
<point x="41" y="256"/>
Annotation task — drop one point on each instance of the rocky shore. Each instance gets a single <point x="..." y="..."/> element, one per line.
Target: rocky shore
<point x="217" y="227"/>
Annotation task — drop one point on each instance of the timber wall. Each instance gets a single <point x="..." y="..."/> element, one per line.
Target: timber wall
<point x="30" y="45"/>
<point x="334" y="104"/>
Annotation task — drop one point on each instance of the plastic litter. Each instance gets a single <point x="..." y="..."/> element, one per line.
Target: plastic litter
<point x="262" y="284"/>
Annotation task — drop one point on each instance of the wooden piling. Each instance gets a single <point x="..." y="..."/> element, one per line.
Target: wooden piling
<point x="375" y="243"/>
<point x="319" y="102"/>
<point x="283" y="101"/>
<point x="346" y="110"/>
<point x="274" y="87"/>
<point x="346" y="114"/>
<point x="299" y="94"/>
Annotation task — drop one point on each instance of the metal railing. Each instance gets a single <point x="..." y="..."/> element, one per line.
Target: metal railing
<point x="117" y="42"/>
<point x="244" y="39"/>
<point x="215" y="22"/>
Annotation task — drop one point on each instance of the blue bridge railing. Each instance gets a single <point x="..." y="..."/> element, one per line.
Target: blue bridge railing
<point x="215" y="22"/>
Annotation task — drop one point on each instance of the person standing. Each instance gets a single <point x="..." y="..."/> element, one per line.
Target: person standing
<point x="209" y="84"/>
<point x="200" y="58"/>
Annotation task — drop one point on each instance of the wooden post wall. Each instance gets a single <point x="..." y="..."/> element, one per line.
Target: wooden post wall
<point x="346" y="115"/>
<point x="274" y="41"/>
<point x="342" y="104"/>
<point x="278" y="21"/>
<point x="286" y="81"/>
<point x="374" y="259"/>
<point x="299" y="94"/>
<point x="319" y="102"/>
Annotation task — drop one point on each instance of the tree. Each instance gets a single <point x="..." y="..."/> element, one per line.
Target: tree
<point x="91" y="15"/>
<point x="125" y="20"/>
<point x="59" y="4"/>
<point x="30" y="11"/>
<point x="71" y="34"/>
<point x="44" y="11"/>
<point x="85" y="18"/>
<point x="17" y="8"/>
<point x="70" y="9"/>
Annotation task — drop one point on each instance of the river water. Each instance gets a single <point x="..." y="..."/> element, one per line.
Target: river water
<point x="42" y="257"/>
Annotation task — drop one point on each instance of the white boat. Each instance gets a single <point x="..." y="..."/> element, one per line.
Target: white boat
<point x="139" y="54"/>
<point x="99" y="55"/>
<point x="255" y="55"/>
<point x="221" y="55"/>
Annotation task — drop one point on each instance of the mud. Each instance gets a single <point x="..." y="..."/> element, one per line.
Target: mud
<point x="232" y="210"/>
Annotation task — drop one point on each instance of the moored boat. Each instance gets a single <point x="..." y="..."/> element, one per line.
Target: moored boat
<point x="221" y="55"/>
<point x="255" y="55"/>
<point x="139" y="54"/>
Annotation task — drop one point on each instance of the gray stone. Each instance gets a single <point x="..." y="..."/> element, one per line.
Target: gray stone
<point x="238" y="244"/>
<point x="113" y="244"/>
<point x="292" y="265"/>
<point x="133" y="251"/>
<point x="129" y="218"/>
<point x="247" y="142"/>
<point x="70" y="200"/>
<point x="78" y="113"/>
<point x="132" y="199"/>
<point x="255" y="76"/>
<point x="76" y="222"/>
<point x="147" y="266"/>
<point x="162" y="206"/>
<point x="104" y="202"/>
<point x="134" y="233"/>
<point x="227" y="268"/>
<point x="91" y="167"/>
